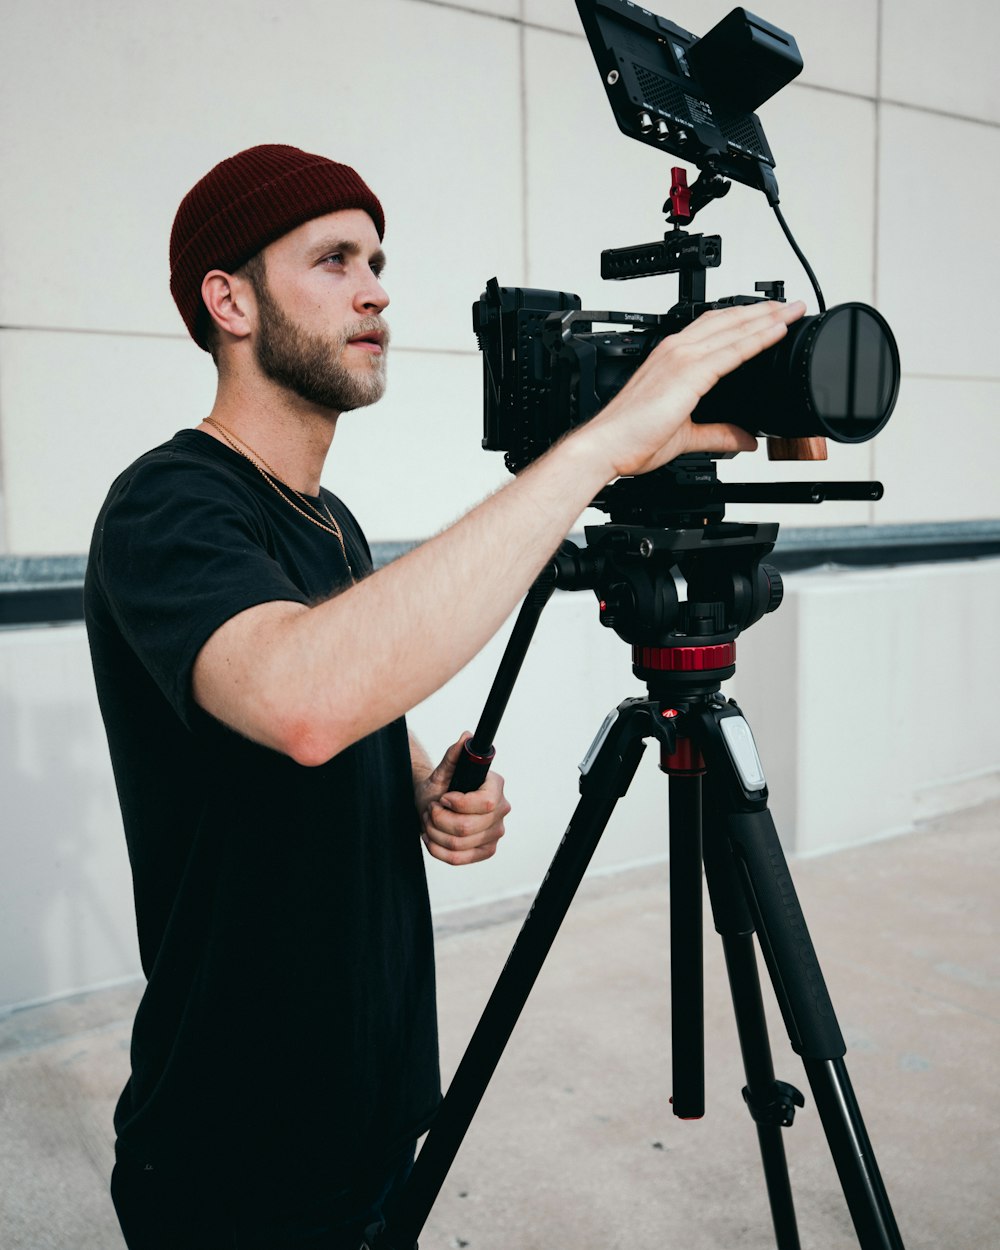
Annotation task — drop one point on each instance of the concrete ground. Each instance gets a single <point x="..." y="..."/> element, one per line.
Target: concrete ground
<point x="575" y="1145"/>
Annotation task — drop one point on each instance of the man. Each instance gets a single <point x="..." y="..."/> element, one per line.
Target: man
<point x="254" y="678"/>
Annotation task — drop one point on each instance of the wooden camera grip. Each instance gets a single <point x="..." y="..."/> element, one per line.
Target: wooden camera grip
<point x="796" y="448"/>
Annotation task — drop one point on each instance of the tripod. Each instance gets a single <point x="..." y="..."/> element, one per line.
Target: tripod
<point x="680" y="597"/>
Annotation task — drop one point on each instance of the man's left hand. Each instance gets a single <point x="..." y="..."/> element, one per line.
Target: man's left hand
<point x="460" y="828"/>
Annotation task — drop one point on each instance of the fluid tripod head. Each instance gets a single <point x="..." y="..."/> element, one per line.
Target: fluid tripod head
<point x="680" y="597"/>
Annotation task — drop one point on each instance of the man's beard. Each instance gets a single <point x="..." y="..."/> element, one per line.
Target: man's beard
<point x="313" y="366"/>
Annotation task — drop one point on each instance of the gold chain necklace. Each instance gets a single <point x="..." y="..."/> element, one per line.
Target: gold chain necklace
<point x="268" y="474"/>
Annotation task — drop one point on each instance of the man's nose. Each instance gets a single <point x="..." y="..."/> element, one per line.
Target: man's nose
<point x="372" y="297"/>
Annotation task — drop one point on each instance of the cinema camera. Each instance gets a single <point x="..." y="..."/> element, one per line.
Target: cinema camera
<point x="679" y="584"/>
<point x="547" y="369"/>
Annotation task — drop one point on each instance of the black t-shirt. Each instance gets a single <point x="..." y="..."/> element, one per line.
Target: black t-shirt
<point x="287" y="1032"/>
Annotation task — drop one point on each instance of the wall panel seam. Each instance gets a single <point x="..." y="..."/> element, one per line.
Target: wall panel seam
<point x="397" y="348"/>
<point x="464" y="8"/>
<point x="945" y="113"/>
<point x="876" y="210"/>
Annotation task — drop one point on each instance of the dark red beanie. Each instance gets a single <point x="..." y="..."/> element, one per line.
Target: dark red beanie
<point x="245" y="203"/>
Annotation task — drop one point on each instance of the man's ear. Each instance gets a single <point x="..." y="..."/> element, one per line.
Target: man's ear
<point x="228" y="299"/>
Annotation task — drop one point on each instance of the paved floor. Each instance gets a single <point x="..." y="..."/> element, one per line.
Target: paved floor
<point x="574" y="1145"/>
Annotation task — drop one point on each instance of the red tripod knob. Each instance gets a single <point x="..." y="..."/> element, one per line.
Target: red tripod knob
<point x="684" y="659"/>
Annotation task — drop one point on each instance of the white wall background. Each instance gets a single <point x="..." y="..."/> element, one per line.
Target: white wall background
<point x="484" y="128"/>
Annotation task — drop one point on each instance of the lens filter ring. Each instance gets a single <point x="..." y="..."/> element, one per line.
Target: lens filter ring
<point x="846" y="372"/>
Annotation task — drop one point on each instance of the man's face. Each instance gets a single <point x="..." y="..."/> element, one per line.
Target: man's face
<point x="319" y="329"/>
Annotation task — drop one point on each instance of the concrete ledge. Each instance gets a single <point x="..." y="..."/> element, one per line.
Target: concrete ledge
<point x="39" y="590"/>
<point x="861" y="691"/>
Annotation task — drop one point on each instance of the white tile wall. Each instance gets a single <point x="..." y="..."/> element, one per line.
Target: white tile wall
<point x="939" y="250"/>
<point x="413" y="463"/>
<point x="944" y="58"/>
<point x="407" y="466"/>
<point x="75" y="409"/>
<point x="137" y="103"/>
<point x="939" y="453"/>
<point x="134" y="104"/>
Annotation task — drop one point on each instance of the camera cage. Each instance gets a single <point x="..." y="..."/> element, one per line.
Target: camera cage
<point x="692" y="98"/>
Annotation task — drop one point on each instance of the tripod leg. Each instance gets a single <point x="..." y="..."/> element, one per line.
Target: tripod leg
<point x="794" y="970"/>
<point x="853" y="1153"/>
<point x="687" y="976"/>
<point x="771" y="1103"/>
<point x="610" y="766"/>
<point x="811" y="1023"/>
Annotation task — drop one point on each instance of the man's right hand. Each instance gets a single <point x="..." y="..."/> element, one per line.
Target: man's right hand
<point x="648" y="422"/>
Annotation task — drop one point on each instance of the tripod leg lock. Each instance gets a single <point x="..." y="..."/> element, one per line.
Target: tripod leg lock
<point x="779" y="1110"/>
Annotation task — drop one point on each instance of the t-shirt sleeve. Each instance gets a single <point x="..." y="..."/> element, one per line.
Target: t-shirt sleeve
<point x="182" y="549"/>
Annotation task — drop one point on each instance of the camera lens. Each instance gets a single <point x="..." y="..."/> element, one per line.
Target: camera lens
<point x="835" y="375"/>
<point x="850" y="366"/>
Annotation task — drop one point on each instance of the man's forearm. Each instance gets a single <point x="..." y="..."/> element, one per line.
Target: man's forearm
<point x="372" y="653"/>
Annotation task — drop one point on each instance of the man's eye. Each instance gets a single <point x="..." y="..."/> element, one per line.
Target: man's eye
<point x="336" y="258"/>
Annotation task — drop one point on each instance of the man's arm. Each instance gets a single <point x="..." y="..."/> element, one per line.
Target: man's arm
<point x="309" y="681"/>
